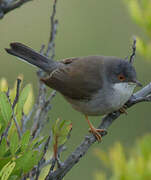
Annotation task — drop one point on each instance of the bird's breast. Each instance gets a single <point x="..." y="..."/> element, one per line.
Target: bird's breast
<point x="105" y="100"/>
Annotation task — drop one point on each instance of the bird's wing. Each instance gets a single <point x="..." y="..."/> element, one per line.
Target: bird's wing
<point x="77" y="78"/>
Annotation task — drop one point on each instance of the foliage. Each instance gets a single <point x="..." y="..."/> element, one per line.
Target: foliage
<point x="140" y="11"/>
<point x="17" y="155"/>
<point x="20" y="153"/>
<point x="136" y="166"/>
<point x="61" y="130"/>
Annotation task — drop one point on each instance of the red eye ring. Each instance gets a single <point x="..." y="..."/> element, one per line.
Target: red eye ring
<point x="121" y="77"/>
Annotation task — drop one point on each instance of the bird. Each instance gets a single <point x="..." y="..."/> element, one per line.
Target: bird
<point x="93" y="85"/>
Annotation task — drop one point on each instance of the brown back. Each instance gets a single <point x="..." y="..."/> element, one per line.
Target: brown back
<point x="77" y="78"/>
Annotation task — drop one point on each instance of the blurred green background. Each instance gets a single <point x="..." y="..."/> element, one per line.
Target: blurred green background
<point x="85" y="28"/>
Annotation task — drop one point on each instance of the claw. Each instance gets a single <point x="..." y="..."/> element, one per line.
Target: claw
<point x="96" y="133"/>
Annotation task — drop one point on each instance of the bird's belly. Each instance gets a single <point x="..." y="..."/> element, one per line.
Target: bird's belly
<point x="104" y="103"/>
<point x="90" y="107"/>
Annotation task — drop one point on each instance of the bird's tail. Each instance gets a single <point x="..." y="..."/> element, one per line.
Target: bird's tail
<point x="29" y="55"/>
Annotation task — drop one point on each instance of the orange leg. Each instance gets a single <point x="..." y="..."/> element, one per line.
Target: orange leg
<point x="94" y="131"/>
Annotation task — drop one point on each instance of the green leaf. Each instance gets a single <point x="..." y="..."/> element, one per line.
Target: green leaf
<point x="5" y="107"/>
<point x="3" y="124"/>
<point x="27" y="161"/>
<point x="25" y="140"/>
<point x="14" y="142"/>
<point x="61" y="130"/>
<point x="33" y="142"/>
<point x="4" y="161"/>
<point x="22" y="99"/>
<point x="39" y="142"/>
<point x="0" y="127"/>
<point x="55" y="127"/>
<point x="33" y="159"/>
<point x="64" y="131"/>
<point x="62" y="123"/>
<point x="3" y="85"/>
<point x="62" y="140"/>
<point x="13" y="177"/>
<point x="7" y="170"/>
<point x="3" y="147"/>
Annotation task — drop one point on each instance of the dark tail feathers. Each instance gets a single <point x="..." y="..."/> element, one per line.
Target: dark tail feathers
<point x="32" y="57"/>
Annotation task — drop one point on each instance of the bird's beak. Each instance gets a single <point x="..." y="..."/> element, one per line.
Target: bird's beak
<point x="137" y="83"/>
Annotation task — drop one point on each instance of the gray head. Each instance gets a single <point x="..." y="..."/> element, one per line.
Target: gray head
<point x="120" y="71"/>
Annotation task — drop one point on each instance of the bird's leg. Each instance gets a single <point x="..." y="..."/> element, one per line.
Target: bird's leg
<point x="123" y="109"/>
<point x="94" y="131"/>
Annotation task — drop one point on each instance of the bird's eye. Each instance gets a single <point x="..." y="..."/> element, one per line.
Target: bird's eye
<point x="121" y="77"/>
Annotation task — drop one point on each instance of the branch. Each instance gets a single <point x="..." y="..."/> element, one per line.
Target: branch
<point x="54" y="23"/>
<point x="17" y="126"/>
<point x="133" y="51"/>
<point x="7" y="6"/>
<point x="140" y="96"/>
<point x="43" y="104"/>
<point x="42" y="160"/>
<point x="13" y="107"/>
<point x="17" y="93"/>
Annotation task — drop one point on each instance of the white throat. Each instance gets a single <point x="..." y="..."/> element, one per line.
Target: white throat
<point x="123" y="91"/>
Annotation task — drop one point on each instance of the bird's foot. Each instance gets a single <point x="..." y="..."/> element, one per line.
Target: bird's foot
<point x="96" y="133"/>
<point x="123" y="109"/>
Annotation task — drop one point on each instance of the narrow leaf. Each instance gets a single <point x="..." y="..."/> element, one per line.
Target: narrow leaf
<point x="14" y="142"/>
<point x="25" y="140"/>
<point x="7" y="170"/>
<point x="3" y="147"/>
<point x="3" y="85"/>
<point x="39" y="142"/>
<point x="5" y="107"/>
<point x="27" y="161"/>
<point x="22" y="99"/>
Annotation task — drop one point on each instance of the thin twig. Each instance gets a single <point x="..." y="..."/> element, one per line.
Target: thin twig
<point x="17" y="126"/>
<point x="6" y="7"/>
<point x="42" y="159"/>
<point x="42" y="49"/>
<point x="42" y="102"/>
<point x="5" y="133"/>
<point x="52" y="95"/>
<point x="133" y="51"/>
<point x="57" y="154"/>
<point x="51" y="168"/>
<point x="26" y="118"/>
<point x="46" y="163"/>
<point x="62" y="148"/>
<point x="17" y="93"/>
<point x="13" y="107"/>
<point x="51" y="43"/>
